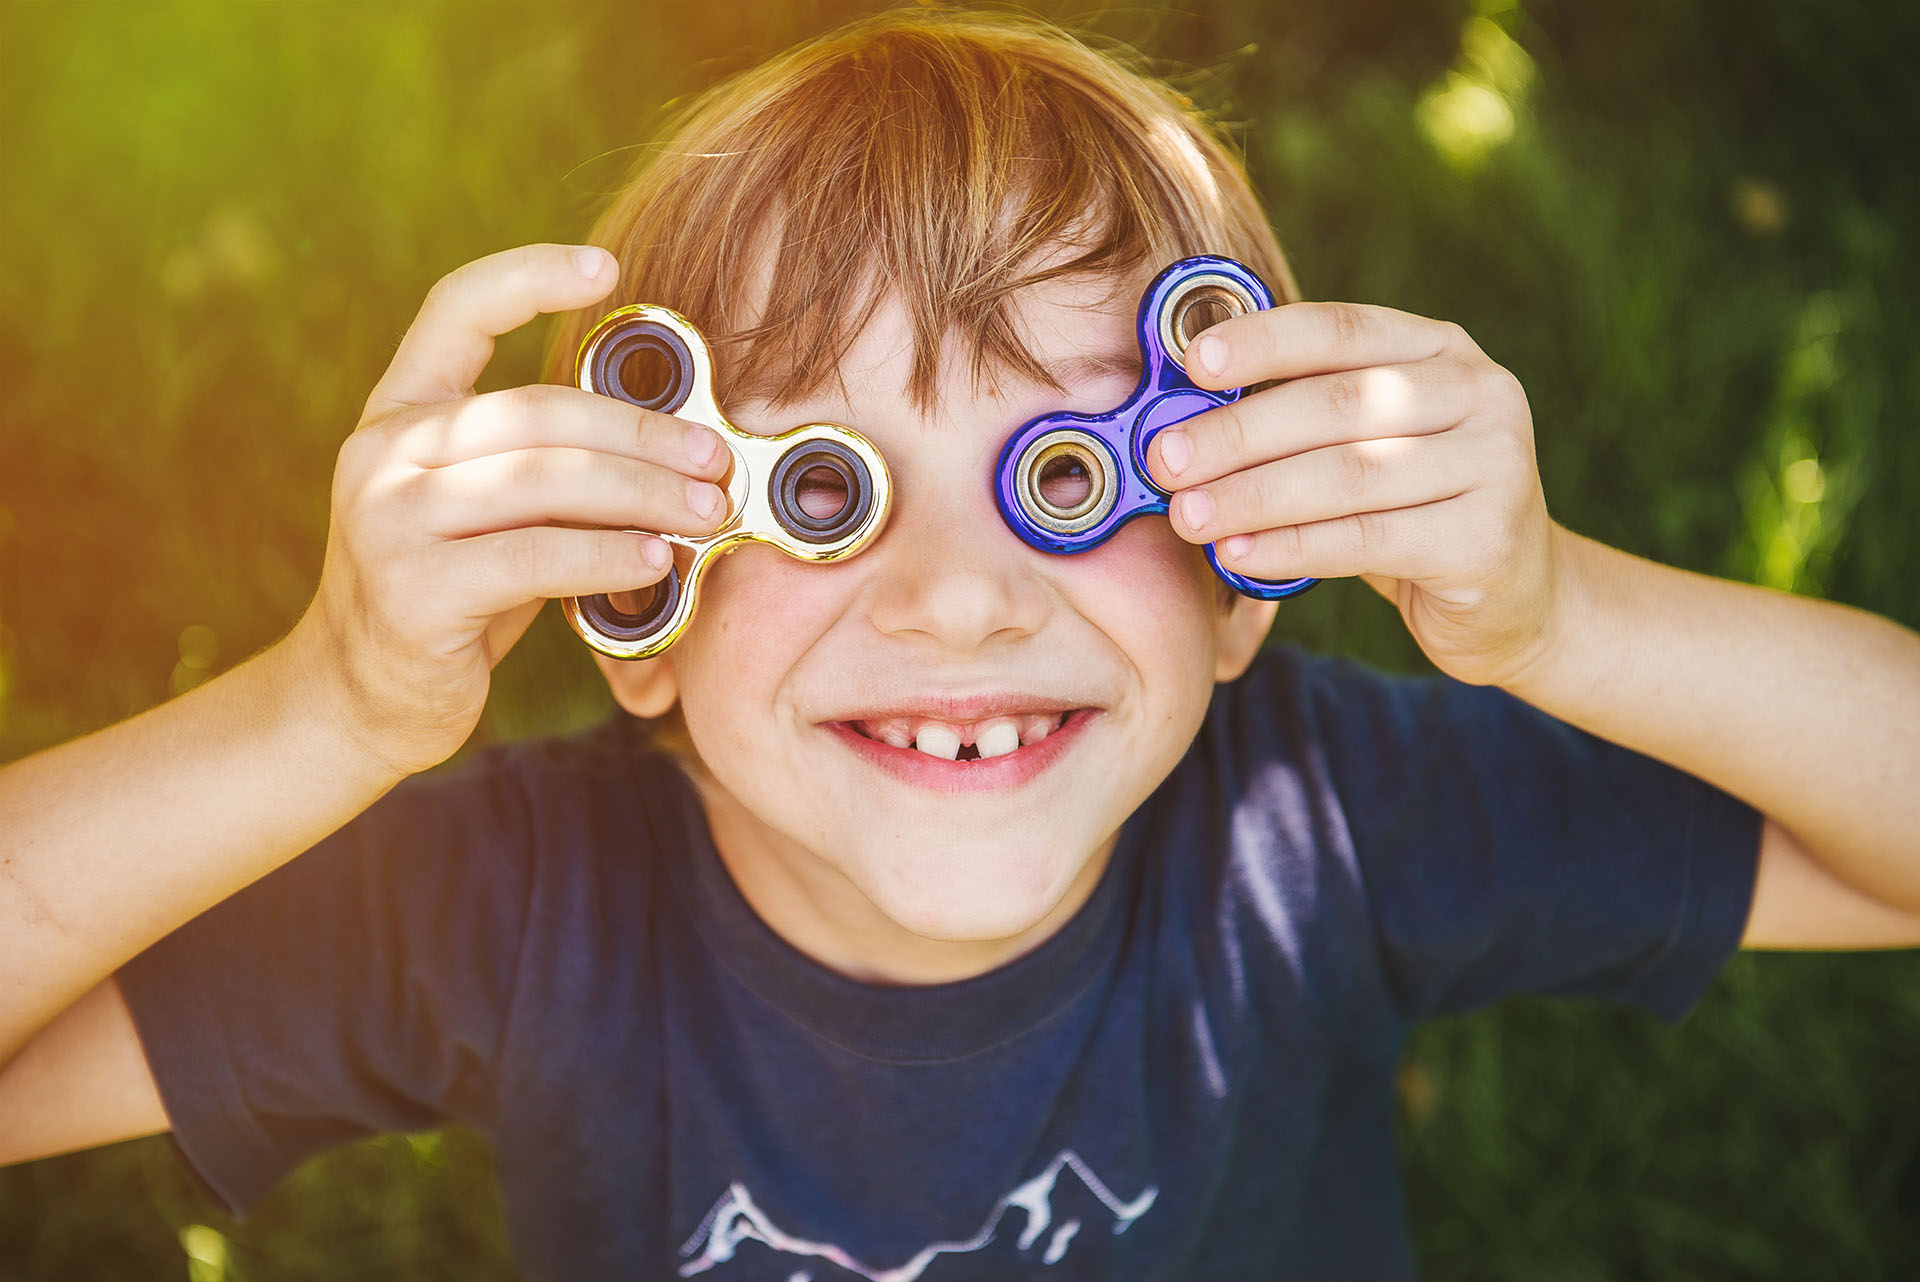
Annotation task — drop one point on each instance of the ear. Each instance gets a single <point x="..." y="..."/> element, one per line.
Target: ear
<point x="644" y="687"/>
<point x="1239" y="626"/>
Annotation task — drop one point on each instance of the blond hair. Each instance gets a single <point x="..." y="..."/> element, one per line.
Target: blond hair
<point x="929" y="152"/>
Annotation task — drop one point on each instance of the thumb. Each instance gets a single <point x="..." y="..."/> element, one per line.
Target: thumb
<point x="448" y="345"/>
<point x="506" y="629"/>
<point x="1392" y="589"/>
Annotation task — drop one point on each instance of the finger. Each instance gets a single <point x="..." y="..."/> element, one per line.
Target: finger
<point x="451" y="339"/>
<point x="560" y="484"/>
<point x="1323" y="484"/>
<point x="1298" y="339"/>
<point x="506" y="629"/>
<point x="504" y="571"/>
<point x="549" y="414"/>
<point x="1312" y="413"/>
<point x="1407" y="543"/>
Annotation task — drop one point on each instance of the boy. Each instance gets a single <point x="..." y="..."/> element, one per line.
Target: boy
<point x="738" y="984"/>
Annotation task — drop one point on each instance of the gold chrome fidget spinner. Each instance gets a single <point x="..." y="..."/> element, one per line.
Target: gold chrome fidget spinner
<point x="818" y="492"/>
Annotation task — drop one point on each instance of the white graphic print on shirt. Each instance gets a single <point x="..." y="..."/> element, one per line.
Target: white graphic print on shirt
<point x="735" y="1219"/>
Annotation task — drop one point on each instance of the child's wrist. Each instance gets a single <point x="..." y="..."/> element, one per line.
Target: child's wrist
<point x="1563" y="654"/>
<point x="330" y="713"/>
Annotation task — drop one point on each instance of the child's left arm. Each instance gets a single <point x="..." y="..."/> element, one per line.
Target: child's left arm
<point x="1399" y="452"/>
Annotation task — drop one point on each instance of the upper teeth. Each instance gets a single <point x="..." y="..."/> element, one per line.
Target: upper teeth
<point x="995" y="737"/>
<point x="938" y="741"/>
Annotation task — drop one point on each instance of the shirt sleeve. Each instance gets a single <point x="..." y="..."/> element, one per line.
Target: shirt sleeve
<point x="360" y="987"/>
<point x="1503" y="851"/>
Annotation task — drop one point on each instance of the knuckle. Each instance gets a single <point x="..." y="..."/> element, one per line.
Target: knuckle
<point x="533" y="257"/>
<point x="592" y="554"/>
<point x="1517" y="453"/>
<point x="356" y="452"/>
<point x="528" y="469"/>
<point x="1497" y="383"/>
<point x="409" y="493"/>
<point x="1258" y="493"/>
<point x="527" y="265"/>
<point x="1230" y="430"/>
<point x="1499" y="452"/>
<point x="652" y="428"/>
<point x="650" y="499"/>
<point x="524" y="555"/>
<point x="1369" y="532"/>
<point x="1290" y="544"/>
<point x="445" y="287"/>
<point x="359" y="461"/>
<point x="488" y="417"/>
<point x="1344" y="324"/>
<point x="608" y="557"/>
<point x="523" y="401"/>
<point x="1466" y="378"/>
<point x="1343" y="396"/>
<point x="1356" y="470"/>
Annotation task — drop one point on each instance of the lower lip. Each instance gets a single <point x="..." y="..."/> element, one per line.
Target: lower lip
<point x="986" y="774"/>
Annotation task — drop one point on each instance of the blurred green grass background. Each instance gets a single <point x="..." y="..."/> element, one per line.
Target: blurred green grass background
<point x="1683" y="226"/>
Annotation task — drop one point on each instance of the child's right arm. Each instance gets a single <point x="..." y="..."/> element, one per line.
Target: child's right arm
<point x="454" y="517"/>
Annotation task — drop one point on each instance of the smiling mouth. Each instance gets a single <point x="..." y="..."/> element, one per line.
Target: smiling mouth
<point x="979" y="740"/>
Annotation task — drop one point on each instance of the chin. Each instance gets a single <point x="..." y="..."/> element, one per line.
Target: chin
<point x="964" y="898"/>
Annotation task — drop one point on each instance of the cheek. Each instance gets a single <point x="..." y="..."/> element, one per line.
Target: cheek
<point x="1149" y="584"/>
<point x="1153" y="595"/>
<point x="759" y="612"/>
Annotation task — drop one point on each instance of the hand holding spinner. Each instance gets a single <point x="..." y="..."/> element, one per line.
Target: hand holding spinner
<point x="1067" y="482"/>
<point x="819" y="492"/>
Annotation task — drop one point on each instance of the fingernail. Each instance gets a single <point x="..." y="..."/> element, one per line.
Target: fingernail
<point x="591" y="260"/>
<point x="1210" y="353"/>
<point x="1176" y="451"/>
<point x="703" y="498"/>
<point x="1196" y="509"/>
<point x="702" y="443"/>
<point x="657" y="553"/>
<point x="1236" y="547"/>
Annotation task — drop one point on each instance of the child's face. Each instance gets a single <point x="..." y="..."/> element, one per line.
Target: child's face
<point x="793" y="674"/>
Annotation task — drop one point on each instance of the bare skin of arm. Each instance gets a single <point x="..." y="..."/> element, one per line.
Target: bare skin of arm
<point x="1808" y="710"/>
<point x="82" y="1081"/>
<point x="1396" y="450"/>
<point x="455" y="516"/>
<point x="116" y="838"/>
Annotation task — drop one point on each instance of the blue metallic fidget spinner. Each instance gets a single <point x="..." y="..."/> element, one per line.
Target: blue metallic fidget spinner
<point x="1067" y="482"/>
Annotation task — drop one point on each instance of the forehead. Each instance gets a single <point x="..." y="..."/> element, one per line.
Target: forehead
<point x="1079" y="327"/>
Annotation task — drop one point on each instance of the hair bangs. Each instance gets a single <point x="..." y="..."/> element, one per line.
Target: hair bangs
<point x="948" y="159"/>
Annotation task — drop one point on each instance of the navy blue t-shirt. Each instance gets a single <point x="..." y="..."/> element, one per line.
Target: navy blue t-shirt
<point x="1190" y="1081"/>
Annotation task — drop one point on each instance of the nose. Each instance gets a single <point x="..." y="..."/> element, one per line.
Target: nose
<point x="948" y="570"/>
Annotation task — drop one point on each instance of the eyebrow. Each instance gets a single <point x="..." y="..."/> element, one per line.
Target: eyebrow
<point x="1067" y="371"/>
<point x="1074" y="369"/>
